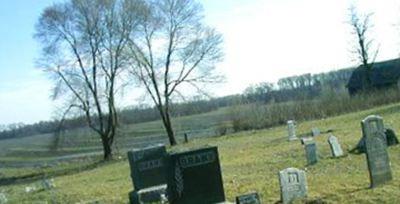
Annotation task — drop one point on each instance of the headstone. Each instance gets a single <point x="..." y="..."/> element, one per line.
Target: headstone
<point x="291" y="130"/>
<point x="293" y="184"/>
<point x="375" y="147"/>
<point x="315" y="132"/>
<point x="148" y="166"/>
<point x="148" y="173"/>
<point x="335" y="146"/>
<point x="252" y="198"/>
<point x="306" y="140"/>
<point x="195" y="177"/>
<point x="311" y="153"/>
<point x="3" y="198"/>
<point x="391" y="137"/>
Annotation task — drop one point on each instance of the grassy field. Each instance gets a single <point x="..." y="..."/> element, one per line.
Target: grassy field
<point x="36" y="148"/>
<point x="250" y="162"/>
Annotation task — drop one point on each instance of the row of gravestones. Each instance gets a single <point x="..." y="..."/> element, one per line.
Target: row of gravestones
<point x="374" y="142"/>
<point x="311" y="148"/>
<point x="195" y="176"/>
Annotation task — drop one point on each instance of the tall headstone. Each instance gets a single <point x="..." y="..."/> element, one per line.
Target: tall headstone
<point x="252" y="198"/>
<point x="293" y="184"/>
<point x="195" y="177"/>
<point x="335" y="146"/>
<point x="311" y="153"/>
<point x="376" y="153"/>
<point x="291" y="130"/>
<point x="148" y="173"/>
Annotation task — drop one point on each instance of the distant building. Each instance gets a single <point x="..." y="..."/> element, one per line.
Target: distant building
<point x="384" y="74"/>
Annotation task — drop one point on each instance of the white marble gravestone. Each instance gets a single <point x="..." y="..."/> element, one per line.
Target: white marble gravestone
<point x="335" y="146"/>
<point x="291" y="130"/>
<point x="293" y="184"/>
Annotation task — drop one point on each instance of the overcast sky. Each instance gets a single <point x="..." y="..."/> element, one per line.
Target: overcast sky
<point x="264" y="40"/>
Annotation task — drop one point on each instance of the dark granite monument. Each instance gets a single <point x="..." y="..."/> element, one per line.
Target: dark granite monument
<point x="195" y="177"/>
<point x="148" y="173"/>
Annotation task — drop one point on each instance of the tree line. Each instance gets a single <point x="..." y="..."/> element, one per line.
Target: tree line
<point x="95" y="51"/>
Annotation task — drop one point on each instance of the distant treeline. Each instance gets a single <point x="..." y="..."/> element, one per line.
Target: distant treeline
<point x="295" y="88"/>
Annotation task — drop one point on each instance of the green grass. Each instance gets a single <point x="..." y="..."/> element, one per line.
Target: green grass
<point x="250" y="162"/>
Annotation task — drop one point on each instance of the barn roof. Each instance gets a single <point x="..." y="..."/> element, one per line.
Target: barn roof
<point x="383" y="73"/>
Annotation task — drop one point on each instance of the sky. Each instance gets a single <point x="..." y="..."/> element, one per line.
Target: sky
<point x="264" y="40"/>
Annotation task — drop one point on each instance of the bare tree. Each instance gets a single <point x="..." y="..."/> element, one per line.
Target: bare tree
<point x="361" y="26"/>
<point x="83" y="45"/>
<point x="174" y="51"/>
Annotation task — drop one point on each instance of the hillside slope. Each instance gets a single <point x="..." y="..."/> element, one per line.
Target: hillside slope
<point x="250" y="162"/>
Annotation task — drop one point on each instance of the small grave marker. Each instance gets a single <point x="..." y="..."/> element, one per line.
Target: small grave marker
<point x="252" y="198"/>
<point x="335" y="146"/>
<point x="311" y="153"/>
<point x="291" y="130"/>
<point x="376" y="153"/>
<point x="293" y="185"/>
<point x="195" y="177"/>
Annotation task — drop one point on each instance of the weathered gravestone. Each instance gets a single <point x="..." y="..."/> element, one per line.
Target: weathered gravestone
<point x="311" y="153"/>
<point x="195" y="177"/>
<point x="291" y="130"/>
<point x="148" y="172"/>
<point x="293" y="184"/>
<point x="252" y="198"/>
<point x="335" y="146"/>
<point x="375" y="147"/>
<point x="315" y="132"/>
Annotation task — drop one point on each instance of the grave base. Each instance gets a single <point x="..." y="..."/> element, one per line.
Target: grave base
<point x="148" y="195"/>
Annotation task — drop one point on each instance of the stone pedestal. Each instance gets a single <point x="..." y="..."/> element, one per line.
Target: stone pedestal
<point x="148" y="195"/>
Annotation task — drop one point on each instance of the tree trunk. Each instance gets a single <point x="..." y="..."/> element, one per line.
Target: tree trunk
<point x="106" y="148"/>
<point x="170" y="132"/>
